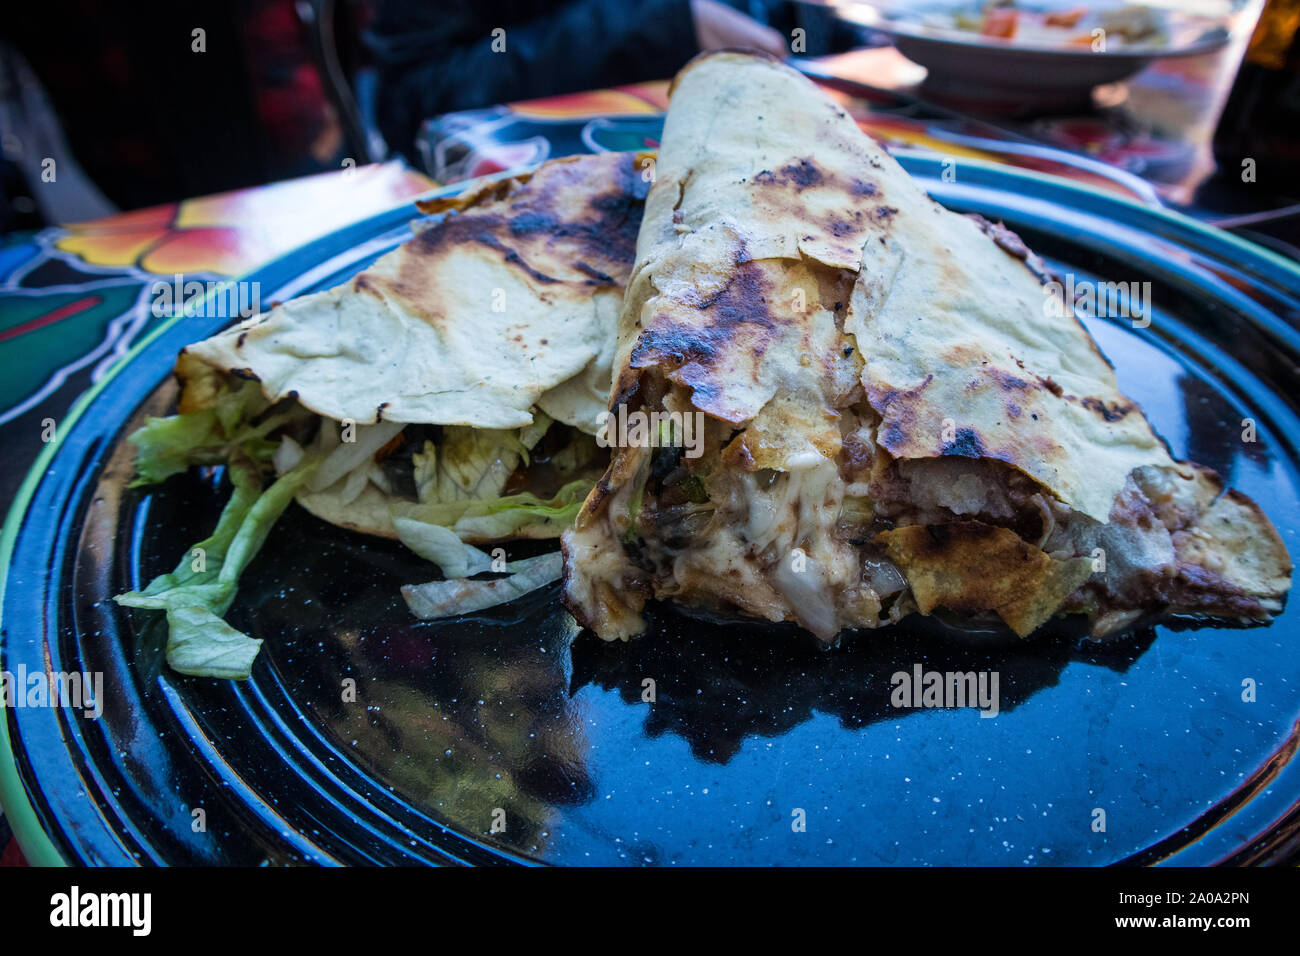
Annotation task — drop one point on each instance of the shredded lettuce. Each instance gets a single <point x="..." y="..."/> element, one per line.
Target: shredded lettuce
<point x="346" y="457"/>
<point x="582" y="452"/>
<point x="438" y="599"/>
<point x="201" y="644"/>
<point x="500" y="517"/>
<point x="468" y="463"/>
<point x="460" y="485"/>
<point x="530" y="435"/>
<point x="441" y="546"/>
<point x="636" y="500"/>
<point x="169" y="446"/>
<point x="199" y="592"/>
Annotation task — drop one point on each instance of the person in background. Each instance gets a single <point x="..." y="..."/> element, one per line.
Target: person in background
<point x="432" y="60"/>
<point x="152" y="112"/>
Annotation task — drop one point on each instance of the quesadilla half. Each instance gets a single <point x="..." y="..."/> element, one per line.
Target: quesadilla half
<point x="889" y="417"/>
<point x="454" y="358"/>
<point x="449" y="393"/>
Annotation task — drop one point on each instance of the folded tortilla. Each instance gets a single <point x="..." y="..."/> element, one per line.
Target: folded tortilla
<point x="893" y="419"/>
<point x="469" y="363"/>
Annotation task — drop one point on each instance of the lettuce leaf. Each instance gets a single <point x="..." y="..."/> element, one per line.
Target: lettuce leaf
<point x="171" y="445"/>
<point x="500" y="517"/>
<point x="438" y="599"/>
<point x="440" y="545"/>
<point x="460" y="484"/>
<point x="199" y="592"/>
<point x="201" y="644"/>
<point x="468" y="463"/>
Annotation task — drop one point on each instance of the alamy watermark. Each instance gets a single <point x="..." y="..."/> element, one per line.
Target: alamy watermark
<point x="624" y="429"/>
<point x="80" y="690"/>
<point x="1105" y="300"/>
<point x="133" y="911"/>
<point x="224" y="298"/>
<point x="950" y="689"/>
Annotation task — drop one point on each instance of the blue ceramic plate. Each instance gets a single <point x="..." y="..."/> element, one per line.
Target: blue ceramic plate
<point x="510" y="718"/>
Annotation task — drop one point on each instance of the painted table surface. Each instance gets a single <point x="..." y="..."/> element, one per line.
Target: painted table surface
<point x="74" y="299"/>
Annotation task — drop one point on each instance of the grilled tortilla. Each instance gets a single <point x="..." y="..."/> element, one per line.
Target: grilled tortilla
<point x="469" y="364"/>
<point x="892" y="420"/>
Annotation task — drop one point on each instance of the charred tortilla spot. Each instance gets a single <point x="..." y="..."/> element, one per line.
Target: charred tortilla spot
<point x="364" y="283"/>
<point x="885" y="213"/>
<point x="855" y="455"/>
<point x="743" y="300"/>
<point x="379" y="412"/>
<point x="966" y="444"/>
<point x="839" y="228"/>
<point x="628" y="387"/>
<point x="882" y="399"/>
<point x="804" y="173"/>
<point x="1006" y="381"/>
<point x="859" y="188"/>
<point x="1051" y="386"/>
<point x="561" y="218"/>
<point x="511" y="256"/>
<point x="673" y="344"/>
<point x="458" y="230"/>
<point x="739" y="311"/>
<point x="609" y="229"/>
<point x="800" y="175"/>
<point x="598" y="495"/>
<point x="702" y="390"/>
<point x="247" y="374"/>
<point x="529" y="223"/>
<point x="1111" y="413"/>
<point x="897" y="408"/>
<point x="597" y="277"/>
<point x="239" y="342"/>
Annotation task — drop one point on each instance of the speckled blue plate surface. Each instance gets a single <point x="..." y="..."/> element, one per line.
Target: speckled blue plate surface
<point x="509" y="717"/>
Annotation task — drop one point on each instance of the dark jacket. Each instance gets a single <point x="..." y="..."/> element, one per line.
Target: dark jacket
<point x="432" y="60"/>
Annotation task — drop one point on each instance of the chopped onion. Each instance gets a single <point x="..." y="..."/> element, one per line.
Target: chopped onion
<point x="883" y="577"/>
<point x="380" y="479"/>
<point x="355" y="483"/>
<point x="809" y="598"/>
<point x="287" y="455"/>
<point x="348" y="455"/>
